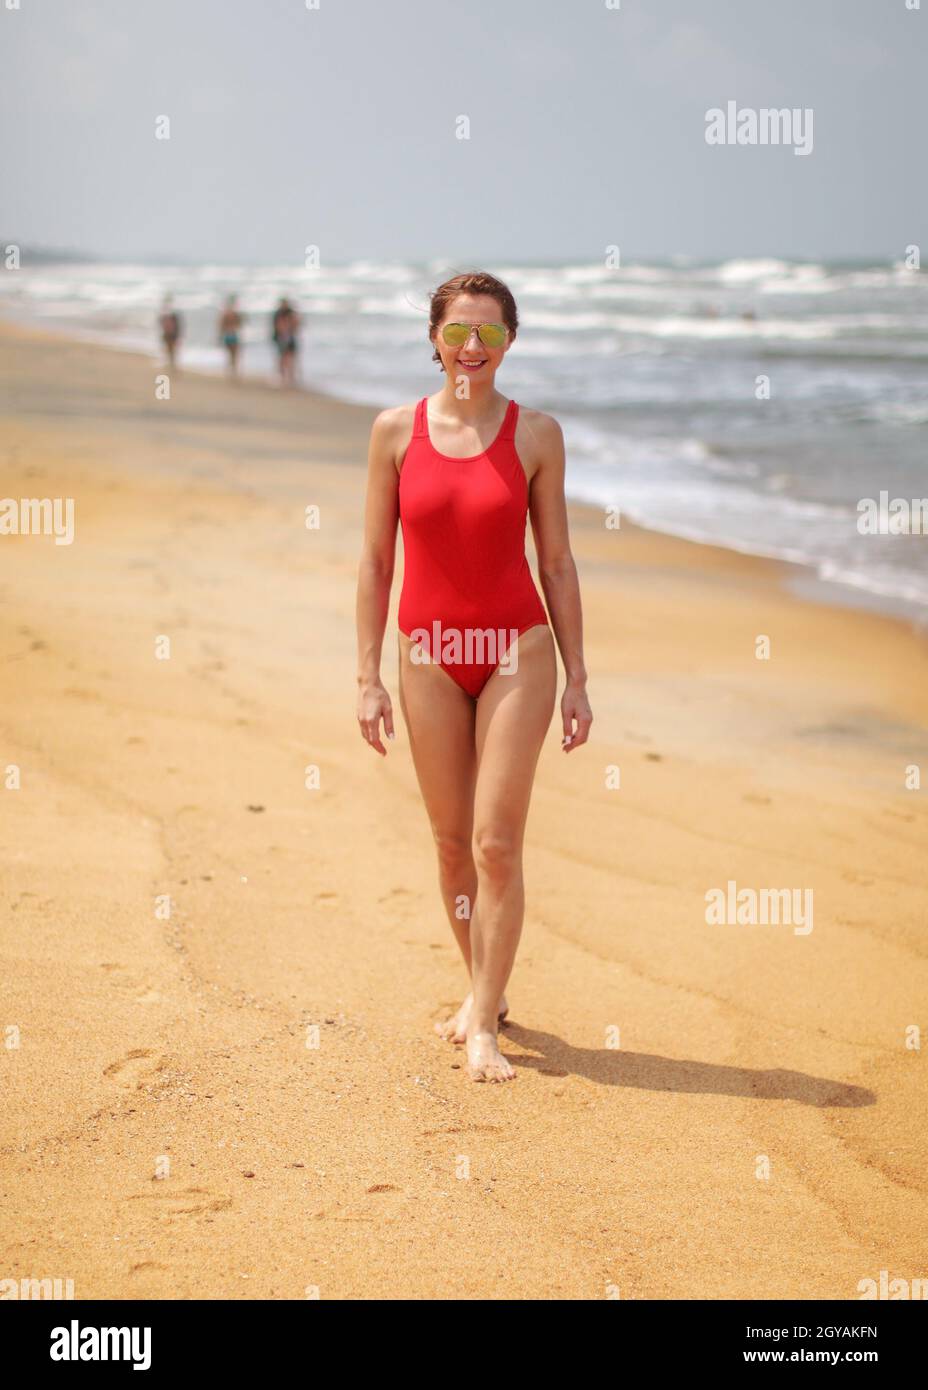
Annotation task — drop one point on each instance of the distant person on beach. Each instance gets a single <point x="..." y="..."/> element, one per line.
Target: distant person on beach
<point x="171" y="329"/>
<point x="285" y="326"/>
<point x="230" y="324"/>
<point x="459" y="471"/>
<point x="229" y="331"/>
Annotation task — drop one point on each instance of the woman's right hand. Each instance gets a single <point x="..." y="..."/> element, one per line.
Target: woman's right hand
<point x="374" y="705"/>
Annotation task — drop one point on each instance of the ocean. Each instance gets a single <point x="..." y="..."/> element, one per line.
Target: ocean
<point x="653" y="371"/>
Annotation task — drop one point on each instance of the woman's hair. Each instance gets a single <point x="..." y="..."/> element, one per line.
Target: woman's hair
<point x="472" y="282"/>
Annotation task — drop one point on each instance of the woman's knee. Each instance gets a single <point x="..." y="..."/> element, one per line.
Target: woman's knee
<point x="454" y="852"/>
<point x="497" y="852"/>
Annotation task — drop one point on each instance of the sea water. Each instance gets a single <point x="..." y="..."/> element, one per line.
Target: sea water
<point x="755" y="404"/>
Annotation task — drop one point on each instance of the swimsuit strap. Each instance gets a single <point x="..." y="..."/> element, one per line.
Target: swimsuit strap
<point x="419" y="428"/>
<point x="510" y="420"/>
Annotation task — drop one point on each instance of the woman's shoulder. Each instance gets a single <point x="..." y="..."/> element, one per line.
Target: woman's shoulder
<point x="538" y="419"/>
<point x="537" y="433"/>
<point x="396" y="419"/>
<point x="392" y="430"/>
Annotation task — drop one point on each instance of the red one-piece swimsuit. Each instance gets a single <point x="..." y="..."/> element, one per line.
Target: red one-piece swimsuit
<point x="467" y="587"/>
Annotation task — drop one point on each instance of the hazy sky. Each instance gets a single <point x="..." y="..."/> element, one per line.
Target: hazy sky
<point x="337" y="127"/>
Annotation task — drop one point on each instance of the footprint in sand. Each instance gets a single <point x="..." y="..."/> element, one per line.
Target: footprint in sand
<point x="385" y="1203"/>
<point x="462" y="1129"/>
<point x="185" y="1201"/>
<point x="397" y="893"/>
<point x="138" y="1063"/>
<point x="122" y="979"/>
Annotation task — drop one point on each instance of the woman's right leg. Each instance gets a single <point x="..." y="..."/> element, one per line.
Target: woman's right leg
<point x="440" y="719"/>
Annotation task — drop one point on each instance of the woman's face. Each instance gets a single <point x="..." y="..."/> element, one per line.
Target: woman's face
<point x="473" y="358"/>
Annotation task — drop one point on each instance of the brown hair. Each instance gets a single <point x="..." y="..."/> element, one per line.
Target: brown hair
<point x="471" y="282"/>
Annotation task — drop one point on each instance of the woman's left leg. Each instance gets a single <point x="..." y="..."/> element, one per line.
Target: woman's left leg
<point x="513" y="715"/>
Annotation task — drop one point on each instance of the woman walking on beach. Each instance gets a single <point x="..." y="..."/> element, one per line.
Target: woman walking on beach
<point x="460" y="471"/>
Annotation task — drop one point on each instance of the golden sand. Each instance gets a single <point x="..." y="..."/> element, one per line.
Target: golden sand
<point x="759" y="1130"/>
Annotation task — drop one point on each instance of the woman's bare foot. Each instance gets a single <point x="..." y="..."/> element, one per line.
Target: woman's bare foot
<point x="485" y="1062"/>
<point x="455" y="1029"/>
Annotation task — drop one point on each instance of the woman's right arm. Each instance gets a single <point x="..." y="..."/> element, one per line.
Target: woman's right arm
<point x="375" y="577"/>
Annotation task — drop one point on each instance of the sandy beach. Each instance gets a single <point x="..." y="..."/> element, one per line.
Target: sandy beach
<point x="220" y="1077"/>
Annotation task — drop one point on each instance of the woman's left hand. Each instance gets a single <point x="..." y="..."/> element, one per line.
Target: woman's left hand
<point x="575" y="710"/>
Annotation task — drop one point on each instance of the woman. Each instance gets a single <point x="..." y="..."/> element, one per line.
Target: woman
<point x="478" y="674"/>
<point x="285" y="325"/>
<point x="230" y="324"/>
<point x="171" y="328"/>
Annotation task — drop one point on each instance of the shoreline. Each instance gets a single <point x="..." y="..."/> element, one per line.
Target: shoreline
<point x="801" y="576"/>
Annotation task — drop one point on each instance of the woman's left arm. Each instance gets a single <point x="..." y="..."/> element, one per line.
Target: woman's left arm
<point x="558" y="574"/>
